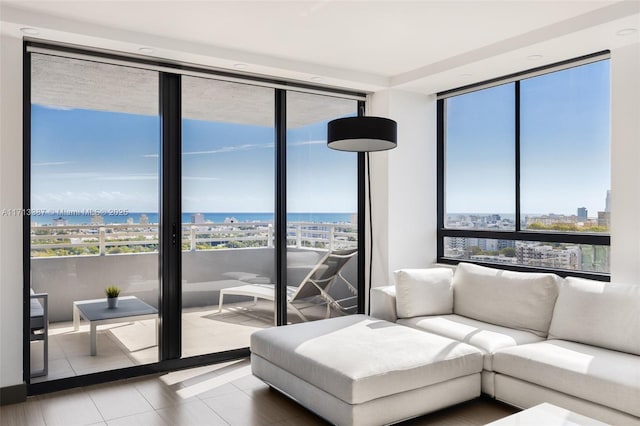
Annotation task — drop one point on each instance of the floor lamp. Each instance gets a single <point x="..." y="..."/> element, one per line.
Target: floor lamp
<point x="363" y="134"/>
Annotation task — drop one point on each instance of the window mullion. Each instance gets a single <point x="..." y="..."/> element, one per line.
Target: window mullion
<point x="517" y="153"/>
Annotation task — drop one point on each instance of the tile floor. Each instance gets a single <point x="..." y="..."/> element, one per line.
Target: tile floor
<point x="220" y="394"/>
<point x="126" y="344"/>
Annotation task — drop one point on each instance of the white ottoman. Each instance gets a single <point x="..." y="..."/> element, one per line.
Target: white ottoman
<point x="358" y="370"/>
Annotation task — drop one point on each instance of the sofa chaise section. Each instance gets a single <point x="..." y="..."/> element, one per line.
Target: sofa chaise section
<point x="358" y="370"/>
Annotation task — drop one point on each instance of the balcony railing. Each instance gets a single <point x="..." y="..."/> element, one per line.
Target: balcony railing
<point x="104" y="240"/>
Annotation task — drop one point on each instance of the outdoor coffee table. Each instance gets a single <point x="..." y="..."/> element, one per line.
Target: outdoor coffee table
<point x="129" y="309"/>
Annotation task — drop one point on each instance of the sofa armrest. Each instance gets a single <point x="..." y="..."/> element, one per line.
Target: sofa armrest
<point x="383" y="303"/>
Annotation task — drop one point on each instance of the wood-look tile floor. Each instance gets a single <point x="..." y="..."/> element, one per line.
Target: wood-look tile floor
<point x="220" y="394"/>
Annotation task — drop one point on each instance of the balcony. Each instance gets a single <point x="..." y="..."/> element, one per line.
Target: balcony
<point x="76" y="262"/>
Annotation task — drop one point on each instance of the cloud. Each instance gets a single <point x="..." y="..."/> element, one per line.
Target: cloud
<point x="69" y="175"/>
<point x="224" y="149"/>
<point x="151" y="156"/>
<point x="199" y="178"/>
<point x="51" y="163"/>
<point x="127" y="177"/>
<point x="303" y="143"/>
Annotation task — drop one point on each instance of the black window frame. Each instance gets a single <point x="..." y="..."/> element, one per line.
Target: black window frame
<point x="517" y="234"/>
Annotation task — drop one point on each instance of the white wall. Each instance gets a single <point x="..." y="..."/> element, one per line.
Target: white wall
<point x="625" y="164"/>
<point x="404" y="186"/>
<point x="10" y="198"/>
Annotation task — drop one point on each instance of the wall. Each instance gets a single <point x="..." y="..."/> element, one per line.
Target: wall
<point x="10" y="197"/>
<point x="404" y="186"/>
<point x="625" y="164"/>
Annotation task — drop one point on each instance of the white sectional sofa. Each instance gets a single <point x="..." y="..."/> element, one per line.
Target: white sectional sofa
<point x="570" y="342"/>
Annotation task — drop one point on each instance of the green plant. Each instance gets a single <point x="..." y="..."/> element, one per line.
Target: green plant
<point x="112" y="291"/>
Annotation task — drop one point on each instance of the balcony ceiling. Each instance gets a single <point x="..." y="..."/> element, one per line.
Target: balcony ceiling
<point x="421" y="46"/>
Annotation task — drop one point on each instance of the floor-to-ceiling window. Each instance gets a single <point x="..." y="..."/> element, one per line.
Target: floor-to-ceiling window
<point x="94" y="214"/>
<point x="165" y="183"/>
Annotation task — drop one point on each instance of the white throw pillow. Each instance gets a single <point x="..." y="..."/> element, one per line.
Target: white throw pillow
<point x="423" y="292"/>
<point x="520" y="300"/>
<point x="598" y="313"/>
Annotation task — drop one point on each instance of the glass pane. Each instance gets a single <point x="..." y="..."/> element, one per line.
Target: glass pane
<point x="480" y="159"/>
<point x="565" y="161"/>
<point x="227" y="202"/>
<point x="322" y="205"/>
<point x="566" y="256"/>
<point x="94" y="194"/>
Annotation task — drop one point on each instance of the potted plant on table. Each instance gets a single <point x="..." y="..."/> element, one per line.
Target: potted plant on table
<point x="112" y="293"/>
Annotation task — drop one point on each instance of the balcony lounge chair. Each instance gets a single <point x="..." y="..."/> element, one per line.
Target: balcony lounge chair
<point x="39" y="327"/>
<point x="316" y="283"/>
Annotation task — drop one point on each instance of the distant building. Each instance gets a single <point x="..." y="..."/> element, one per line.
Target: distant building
<point x="607" y="202"/>
<point x="563" y="257"/>
<point x="604" y="219"/>
<point x="582" y="214"/>
<point x="550" y="219"/>
<point x="97" y="220"/>
<point x="197" y="218"/>
<point x="144" y="220"/>
<point x="60" y="221"/>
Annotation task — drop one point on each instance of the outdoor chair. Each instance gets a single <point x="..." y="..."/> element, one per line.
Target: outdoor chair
<point x="316" y="284"/>
<point x="39" y="327"/>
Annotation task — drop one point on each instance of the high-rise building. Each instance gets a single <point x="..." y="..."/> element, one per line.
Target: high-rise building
<point x="607" y="201"/>
<point x="582" y="213"/>
<point x="604" y="219"/>
<point x="197" y="218"/>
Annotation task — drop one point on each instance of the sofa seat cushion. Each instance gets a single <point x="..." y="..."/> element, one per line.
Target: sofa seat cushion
<point x="358" y="358"/>
<point x="595" y="374"/>
<point x="521" y="300"/>
<point x="484" y="336"/>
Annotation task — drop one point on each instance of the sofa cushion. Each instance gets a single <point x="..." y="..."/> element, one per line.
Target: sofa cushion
<point x="597" y="313"/>
<point x="520" y="300"/>
<point x="484" y="336"/>
<point x="423" y="292"/>
<point x="599" y="375"/>
<point x="357" y="358"/>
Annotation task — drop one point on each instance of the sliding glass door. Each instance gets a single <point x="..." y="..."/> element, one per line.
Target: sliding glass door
<point x="94" y="216"/>
<point x="198" y="199"/>
<point x="227" y="213"/>
<point x="322" y="211"/>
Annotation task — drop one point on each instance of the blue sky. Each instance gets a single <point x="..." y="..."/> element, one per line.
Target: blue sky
<point x="565" y="158"/>
<point x="104" y="160"/>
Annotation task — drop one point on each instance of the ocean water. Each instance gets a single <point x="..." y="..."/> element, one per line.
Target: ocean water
<point x="85" y="219"/>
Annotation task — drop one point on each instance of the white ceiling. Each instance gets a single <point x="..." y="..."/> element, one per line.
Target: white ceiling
<point x="424" y="46"/>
